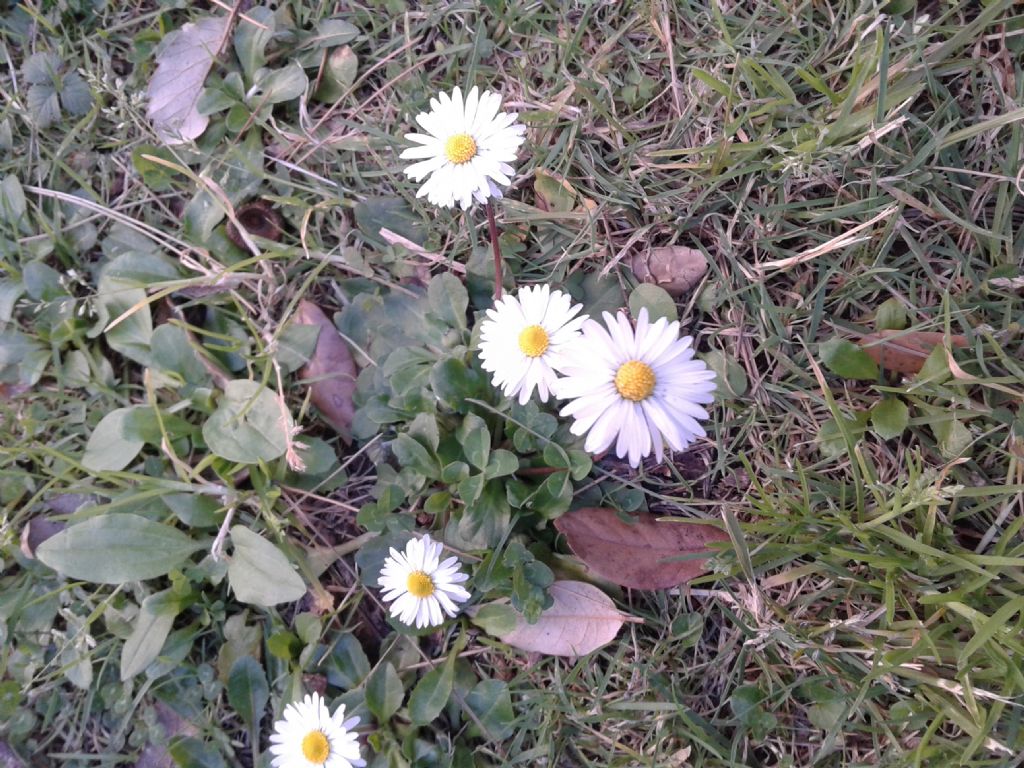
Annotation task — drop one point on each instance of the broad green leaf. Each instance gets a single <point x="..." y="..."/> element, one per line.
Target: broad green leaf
<point x="109" y="448"/>
<point x="495" y="618"/>
<point x="412" y="455"/>
<point x="891" y="315"/>
<point x="339" y="73"/>
<point x="12" y="200"/>
<point x="953" y="437"/>
<point x="331" y="32"/>
<point x="273" y="86"/>
<point x="248" y="691"/>
<point x="491" y="702"/>
<point x="75" y="95"/>
<point x="249" y="424"/>
<point x="846" y="359"/>
<point x="384" y="692"/>
<point x="432" y="693"/>
<point x="830" y="435"/>
<point x="253" y="33"/>
<point x="392" y="213"/>
<point x="190" y="752"/>
<point x="115" y="548"/>
<point x="890" y="418"/>
<point x="448" y="299"/>
<point x="475" y="438"/>
<point x="347" y="665"/>
<point x="453" y="382"/>
<point x="152" y="625"/>
<point x="502" y="463"/>
<point x="259" y="573"/>
<point x="657" y="301"/>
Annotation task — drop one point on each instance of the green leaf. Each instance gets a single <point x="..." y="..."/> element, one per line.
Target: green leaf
<point x="432" y="693"/>
<point x="194" y="509"/>
<point x="153" y="624"/>
<point x="339" y="73"/>
<point x="831" y="441"/>
<point x="890" y="418"/>
<point x="453" y="382"/>
<point x="495" y="618"/>
<point x="40" y="68"/>
<point x="375" y="213"/>
<point x="475" y="438"/>
<point x="891" y="315"/>
<point x="109" y="448"/>
<point x="115" y="548"/>
<point x="491" y="702"/>
<point x="190" y="752"/>
<point x="44" y="104"/>
<point x="953" y="437"/>
<point x="331" y="32"/>
<point x="448" y="299"/>
<point x="347" y="666"/>
<point x="251" y="40"/>
<point x="248" y="691"/>
<point x="75" y="95"/>
<point x="12" y="200"/>
<point x="273" y="86"/>
<point x="503" y="463"/>
<point x="846" y="359"/>
<point x="259" y="573"/>
<point x="731" y="378"/>
<point x="384" y="692"/>
<point x="411" y="454"/>
<point x="656" y="299"/>
<point x="247" y="425"/>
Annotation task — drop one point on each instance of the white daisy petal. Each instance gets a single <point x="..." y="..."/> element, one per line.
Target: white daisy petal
<point x="419" y="585"/>
<point x="309" y="736"/>
<point x="636" y="390"/>
<point x="466" y="150"/>
<point x="525" y="339"/>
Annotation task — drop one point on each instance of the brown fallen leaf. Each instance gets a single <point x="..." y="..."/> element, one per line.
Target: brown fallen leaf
<point x="642" y="554"/>
<point x="675" y="268"/>
<point x="905" y="351"/>
<point x="331" y="371"/>
<point x="581" y="619"/>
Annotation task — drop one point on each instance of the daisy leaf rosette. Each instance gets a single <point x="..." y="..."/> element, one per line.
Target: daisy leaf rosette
<point x="308" y="736"/>
<point x="420" y="587"/>
<point x="637" y="389"/>
<point x="467" y="149"/>
<point x="524" y="338"/>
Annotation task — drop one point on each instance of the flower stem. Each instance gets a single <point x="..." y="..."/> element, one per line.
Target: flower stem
<point x="493" y="229"/>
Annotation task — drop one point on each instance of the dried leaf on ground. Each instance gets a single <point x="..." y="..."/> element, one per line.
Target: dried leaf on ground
<point x="643" y="554"/>
<point x="183" y="63"/>
<point x="675" y="268"/>
<point x="331" y="371"/>
<point x="903" y="351"/>
<point x="581" y="619"/>
<point x="36" y="531"/>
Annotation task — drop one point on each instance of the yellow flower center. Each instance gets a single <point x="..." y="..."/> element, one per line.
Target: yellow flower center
<point x="419" y="584"/>
<point x="635" y="380"/>
<point x="460" y="148"/>
<point x="315" y="747"/>
<point x="533" y="341"/>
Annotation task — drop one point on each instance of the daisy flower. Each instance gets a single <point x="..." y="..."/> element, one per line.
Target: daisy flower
<point x="637" y="389"/>
<point x="421" y="585"/>
<point x="466" y="149"/>
<point x="310" y="737"/>
<point x="524" y="337"/>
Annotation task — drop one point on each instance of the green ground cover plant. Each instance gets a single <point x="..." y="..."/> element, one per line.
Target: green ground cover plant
<point x="240" y="364"/>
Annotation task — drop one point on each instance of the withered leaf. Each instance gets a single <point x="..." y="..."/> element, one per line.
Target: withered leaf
<point x="675" y="268"/>
<point x="643" y="554"/>
<point x="36" y="531"/>
<point x="581" y="619"/>
<point x="331" y="371"/>
<point x="905" y="351"/>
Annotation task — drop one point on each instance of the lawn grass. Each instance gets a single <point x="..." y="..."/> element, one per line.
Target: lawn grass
<point x="870" y="609"/>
